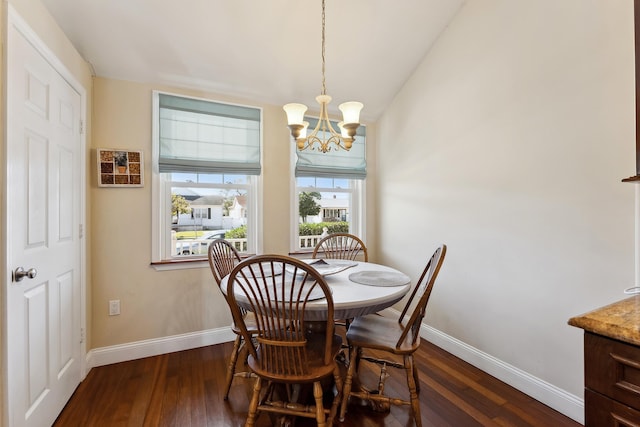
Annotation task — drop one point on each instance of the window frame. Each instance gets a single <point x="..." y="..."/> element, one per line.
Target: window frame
<point x="357" y="203"/>
<point x="161" y="220"/>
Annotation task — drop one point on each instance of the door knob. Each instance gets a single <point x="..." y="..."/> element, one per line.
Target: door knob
<point x="20" y="274"/>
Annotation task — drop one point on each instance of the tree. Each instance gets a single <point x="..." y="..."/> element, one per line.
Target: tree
<point x="179" y="205"/>
<point x="228" y="201"/>
<point x="307" y="204"/>
<point x="226" y="205"/>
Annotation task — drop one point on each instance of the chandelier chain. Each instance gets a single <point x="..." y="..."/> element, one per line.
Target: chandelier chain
<point x="324" y="137"/>
<point x="324" y="85"/>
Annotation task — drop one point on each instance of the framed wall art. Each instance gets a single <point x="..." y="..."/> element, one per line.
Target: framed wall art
<point x="120" y="168"/>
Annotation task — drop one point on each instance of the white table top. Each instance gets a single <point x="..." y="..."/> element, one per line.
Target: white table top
<point x="351" y="299"/>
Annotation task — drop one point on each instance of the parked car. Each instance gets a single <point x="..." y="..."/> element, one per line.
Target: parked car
<point x="200" y="245"/>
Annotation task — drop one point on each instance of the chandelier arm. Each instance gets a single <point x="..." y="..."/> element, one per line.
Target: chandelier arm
<point x="324" y="121"/>
<point x="324" y="115"/>
<point x="338" y="141"/>
<point x="324" y="145"/>
<point x="314" y="133"/>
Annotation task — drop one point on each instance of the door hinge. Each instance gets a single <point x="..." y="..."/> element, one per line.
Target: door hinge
<point x="81" y="335"/>
<point x="81" y="126"/>
<point x="81" y="231"/>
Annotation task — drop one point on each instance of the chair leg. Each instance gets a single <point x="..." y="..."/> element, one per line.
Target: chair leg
<point x="347" y="347"/>
<point x="337" y="399"/>
<point x="358" y="356"/>
<point x="253" y="405"/>
<point x="416" y="379"/>
<point x="413" y="392"/>
<point x="318" y="394"/>
<point x="231" y="369"/>
<point x="348" y="381"/>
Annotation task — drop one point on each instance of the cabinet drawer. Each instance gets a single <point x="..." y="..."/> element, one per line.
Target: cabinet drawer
<point x="600" y="411"/>
<point x="612" y="368"/>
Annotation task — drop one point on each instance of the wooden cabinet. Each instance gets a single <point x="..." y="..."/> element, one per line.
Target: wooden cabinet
<point x="612" y="382"/>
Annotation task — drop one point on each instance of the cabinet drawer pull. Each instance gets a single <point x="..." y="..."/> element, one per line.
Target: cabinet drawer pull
<point x="623" y="422"/>
<point x="627" y="374"/>
<point x="625" y="361"/>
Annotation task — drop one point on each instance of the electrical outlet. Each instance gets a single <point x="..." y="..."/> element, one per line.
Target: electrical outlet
<point x="114" y="307"/>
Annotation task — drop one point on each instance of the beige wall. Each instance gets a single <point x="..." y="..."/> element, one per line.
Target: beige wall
<point x="509" y="144"/>
<point x="156" y="304"/>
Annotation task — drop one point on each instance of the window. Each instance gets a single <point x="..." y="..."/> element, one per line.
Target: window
<point x="205" y="176"/>
<point x="334" y="214"/>
<point x="329" y="192"/>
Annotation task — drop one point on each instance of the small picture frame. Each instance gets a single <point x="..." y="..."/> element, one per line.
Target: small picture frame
<point x="120" y="168"/>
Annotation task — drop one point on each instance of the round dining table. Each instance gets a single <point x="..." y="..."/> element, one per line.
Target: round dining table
<point x="357" y="288"/>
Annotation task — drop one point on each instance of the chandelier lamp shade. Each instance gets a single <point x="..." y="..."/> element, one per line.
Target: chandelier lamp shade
<point x="324" y="137"/>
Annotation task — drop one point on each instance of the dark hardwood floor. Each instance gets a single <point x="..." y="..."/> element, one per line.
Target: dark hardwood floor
<point x="185" y="389"/>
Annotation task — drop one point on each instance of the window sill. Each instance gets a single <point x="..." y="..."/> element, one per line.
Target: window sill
<point x="180" y="264"/>
<point x="301" y="254"/>
<point x="187" y="263"/>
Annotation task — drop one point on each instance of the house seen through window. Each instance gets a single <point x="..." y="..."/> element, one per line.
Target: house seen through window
<point x="208" y="164"/>
<point x="202" y="213"/>
<point x="329" y="194"/>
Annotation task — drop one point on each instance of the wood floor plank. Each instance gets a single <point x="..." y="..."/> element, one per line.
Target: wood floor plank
<point x="185" y="389"/>
<point x="157" y="391"/>
<point x="473" y="383"/>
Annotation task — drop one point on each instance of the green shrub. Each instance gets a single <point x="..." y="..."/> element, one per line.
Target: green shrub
<point x="237" y="233"/>
<point x="316" y="229"/>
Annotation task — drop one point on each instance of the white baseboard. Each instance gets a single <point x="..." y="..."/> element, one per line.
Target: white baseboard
<point x="552" y="396"/>
<point x="153" y="347"/>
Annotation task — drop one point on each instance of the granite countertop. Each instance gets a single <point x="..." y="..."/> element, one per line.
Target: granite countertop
<point x="620" y="320"/>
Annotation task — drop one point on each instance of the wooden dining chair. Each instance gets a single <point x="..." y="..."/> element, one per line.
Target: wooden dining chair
<point x="340" y="246"/>
<point x="291" y="351"/>
<point x="395" y="337"/>
<point x="223" y="257"/>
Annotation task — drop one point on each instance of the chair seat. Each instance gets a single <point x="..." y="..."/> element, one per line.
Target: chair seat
<point x="379" y="332"/>
<point x="317" y="368"/>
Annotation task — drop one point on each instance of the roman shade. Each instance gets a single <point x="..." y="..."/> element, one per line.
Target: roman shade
<point x="350" y="164"/>
<point x="208" y="137"/>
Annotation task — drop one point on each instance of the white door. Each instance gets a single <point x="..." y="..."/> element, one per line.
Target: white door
<point x="43" y="216"/>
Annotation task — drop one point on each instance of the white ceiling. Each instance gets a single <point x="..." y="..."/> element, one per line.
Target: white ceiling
<point x="263" y="50"/>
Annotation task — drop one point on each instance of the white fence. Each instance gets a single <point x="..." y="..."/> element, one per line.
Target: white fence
<point x="239" y="244"/>
<point x="199" y="247"/>
<point x="308" y="242"/>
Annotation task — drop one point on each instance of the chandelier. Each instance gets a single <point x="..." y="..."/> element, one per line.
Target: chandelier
<point x="324" y="135"/>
